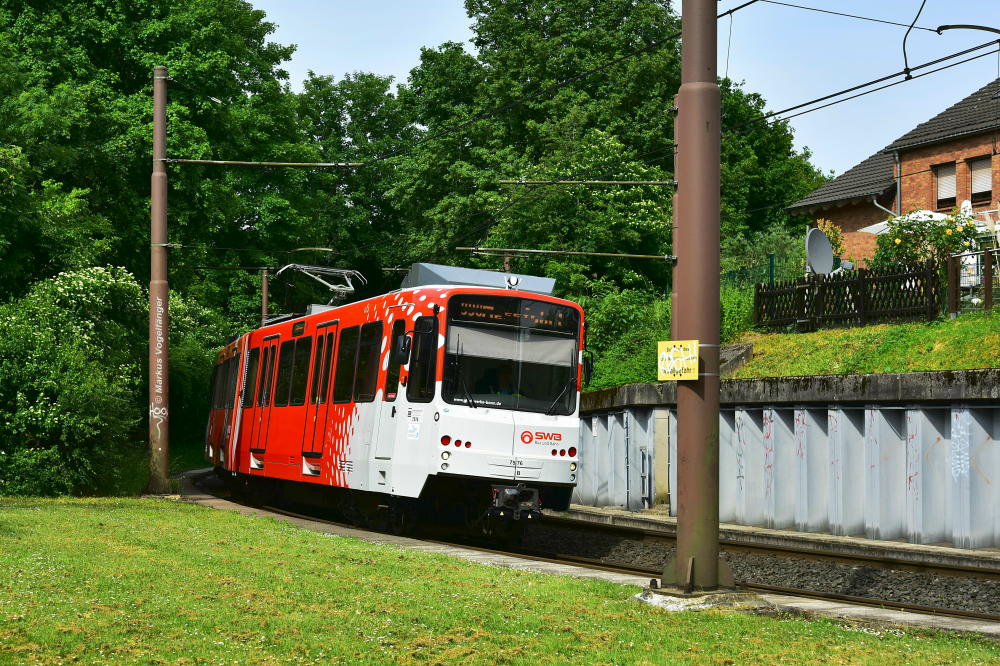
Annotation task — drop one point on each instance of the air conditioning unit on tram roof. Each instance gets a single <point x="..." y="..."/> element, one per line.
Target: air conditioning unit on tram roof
<point x="422" y="275"/>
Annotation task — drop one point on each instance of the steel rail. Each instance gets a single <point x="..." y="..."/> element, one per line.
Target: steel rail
<point x="735" y="545"/>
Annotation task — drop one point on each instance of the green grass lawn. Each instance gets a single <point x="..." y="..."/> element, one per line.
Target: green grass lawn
<point x="968" y="341"/>
<point x="154" y="581"/>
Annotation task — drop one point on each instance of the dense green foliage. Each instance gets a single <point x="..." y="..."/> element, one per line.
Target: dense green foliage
<point x="69" y="381"/>
<point x="72" y="390"/>
<point x="75" y="127"/>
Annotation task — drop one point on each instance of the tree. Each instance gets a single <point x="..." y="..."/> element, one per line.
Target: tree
<point x="76" y="101"/>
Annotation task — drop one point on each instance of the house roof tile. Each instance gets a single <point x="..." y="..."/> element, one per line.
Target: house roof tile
<point x="978" y="112"/>
<point x="872" y="176"/>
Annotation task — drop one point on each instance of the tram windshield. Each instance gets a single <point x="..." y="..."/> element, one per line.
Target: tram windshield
<point x="511" y="353"/>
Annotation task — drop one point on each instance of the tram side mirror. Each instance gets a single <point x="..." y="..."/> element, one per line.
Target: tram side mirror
<point x="588" y="366"/>
<point x="401" y="350"/>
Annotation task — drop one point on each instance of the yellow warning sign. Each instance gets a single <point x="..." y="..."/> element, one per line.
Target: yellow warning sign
<point x="677" y="360"/>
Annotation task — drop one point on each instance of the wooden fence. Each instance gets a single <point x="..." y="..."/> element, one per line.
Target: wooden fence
<point x="849" y="299"/>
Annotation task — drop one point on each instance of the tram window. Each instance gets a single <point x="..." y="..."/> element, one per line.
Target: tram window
<point x="392" y="372"/>
<point x="300" y="371"/>
<point x="250" y="381"/>
<point x="264" y="393"/>
<point x="284" y="380"/>
<point x="220" y="389"/>
<point x="314" y="394"/>
<point x="420" y="386"/>
<point x="368" y="354"/>
<point x="327" y="364"/>
<point x="233" y="368"/>
<point x="216" y="371"/>
<point x="343" y="379"/>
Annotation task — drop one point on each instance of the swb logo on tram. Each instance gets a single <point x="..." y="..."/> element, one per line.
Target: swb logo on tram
<point x="527" y="437"/>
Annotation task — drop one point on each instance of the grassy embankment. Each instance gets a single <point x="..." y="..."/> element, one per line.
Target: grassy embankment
<point x="126" y="580"/>
<point x="969" y="341"/>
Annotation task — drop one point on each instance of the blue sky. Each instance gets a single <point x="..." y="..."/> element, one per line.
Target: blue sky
<point x="788" y="55"/>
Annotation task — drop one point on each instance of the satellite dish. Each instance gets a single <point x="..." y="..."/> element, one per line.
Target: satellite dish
<point x="819" y="252"/>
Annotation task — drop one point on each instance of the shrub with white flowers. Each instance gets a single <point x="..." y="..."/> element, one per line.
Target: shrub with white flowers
<point x="913" y="238"/>
<point x="70" y="382"/>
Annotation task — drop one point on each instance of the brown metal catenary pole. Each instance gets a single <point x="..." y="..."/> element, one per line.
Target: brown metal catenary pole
<point x="159" y="308"/>
<point x="696" y="564"/>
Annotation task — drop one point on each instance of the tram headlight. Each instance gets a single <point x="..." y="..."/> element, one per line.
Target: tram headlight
<point x="572" y="477"/>
<point x="572" y="467"/>
<point x="444" y="465"/>
<point x="445" y="455"/>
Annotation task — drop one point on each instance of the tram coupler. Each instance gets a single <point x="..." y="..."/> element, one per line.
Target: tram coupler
<point x="515" y="503"/>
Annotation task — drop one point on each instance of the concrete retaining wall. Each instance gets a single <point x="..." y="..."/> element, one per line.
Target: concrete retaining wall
<point x="911" y="456"/>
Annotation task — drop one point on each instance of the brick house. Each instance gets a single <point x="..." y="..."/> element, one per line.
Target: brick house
<point x="940" y="163"/>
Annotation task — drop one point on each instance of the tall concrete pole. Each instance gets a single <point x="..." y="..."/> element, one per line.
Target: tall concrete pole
<point x="696" y="564"/>
<point x="159" y="297"/>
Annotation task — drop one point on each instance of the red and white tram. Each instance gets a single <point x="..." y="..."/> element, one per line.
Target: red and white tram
<point x="457" y="401"/>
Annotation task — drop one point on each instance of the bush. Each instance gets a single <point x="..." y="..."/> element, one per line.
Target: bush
<point x="73" y="383"/>
<point x="912" y="238"/>
<point x="622" y="329"/>
<point x="737" y="311"/>
<point x="70" y="383"/>
<point x="741" y="251"/>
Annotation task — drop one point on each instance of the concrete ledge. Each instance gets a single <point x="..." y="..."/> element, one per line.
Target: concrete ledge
<point x="907" y="387"/>
<point x="878" y="618"/>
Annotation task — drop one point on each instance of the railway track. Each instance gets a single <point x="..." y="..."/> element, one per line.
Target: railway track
<point x="735" y="546"/>
<point x="729" y="545"/>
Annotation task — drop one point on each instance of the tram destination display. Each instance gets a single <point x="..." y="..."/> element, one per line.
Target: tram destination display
<point x="519" y="312"/>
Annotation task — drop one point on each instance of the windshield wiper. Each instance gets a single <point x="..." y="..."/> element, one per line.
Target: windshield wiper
<point x="458" y="369"/>
<point x="569" y="382"/>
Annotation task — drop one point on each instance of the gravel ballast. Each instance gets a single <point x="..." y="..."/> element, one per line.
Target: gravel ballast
<point x="963" y="593"/>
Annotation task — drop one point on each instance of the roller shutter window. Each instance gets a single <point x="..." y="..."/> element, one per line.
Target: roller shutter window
<point x="945" y="174"/>
<point x="981" y="173"/>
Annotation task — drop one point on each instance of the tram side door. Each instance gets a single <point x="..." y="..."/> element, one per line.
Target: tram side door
<point x="233" y="399"/>
<point x="247" y="408"/>
<point x="388" y="419"/>
<point x="318" y="407"/>
<point x="269" y="354"/>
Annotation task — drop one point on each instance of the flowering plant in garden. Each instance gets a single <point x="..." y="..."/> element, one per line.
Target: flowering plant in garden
<point x="834" y="233"/>
<point x="912" y="239"/>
